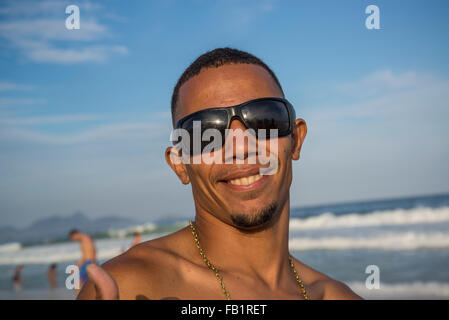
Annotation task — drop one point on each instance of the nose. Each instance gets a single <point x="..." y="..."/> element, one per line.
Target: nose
<point x="240" y="143"/>
<point x="237" y="124"/>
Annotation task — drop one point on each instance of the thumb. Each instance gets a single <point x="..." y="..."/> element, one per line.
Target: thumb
<point x="103" y="281"/>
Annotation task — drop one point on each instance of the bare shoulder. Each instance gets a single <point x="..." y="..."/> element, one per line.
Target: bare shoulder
<point x="321" y="286"/>
<point x="143" y="269"/>
<point x="336" y="290"/>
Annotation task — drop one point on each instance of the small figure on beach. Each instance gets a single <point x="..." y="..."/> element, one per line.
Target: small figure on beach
<point x="88" y="252"/>
<point x="51" y="274"/>
<point x="137" y="239"/>
<point x="17" y="279"/>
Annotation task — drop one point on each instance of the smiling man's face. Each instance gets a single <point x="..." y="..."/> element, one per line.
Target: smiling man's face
<point x="236" y="193"/>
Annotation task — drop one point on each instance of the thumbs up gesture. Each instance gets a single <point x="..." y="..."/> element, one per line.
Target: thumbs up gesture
<point x="105" y="286"/>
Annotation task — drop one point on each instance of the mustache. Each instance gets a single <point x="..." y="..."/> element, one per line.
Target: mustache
<point x="249" y="157"/>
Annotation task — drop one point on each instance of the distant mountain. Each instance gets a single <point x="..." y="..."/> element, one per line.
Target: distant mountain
<point x="57" y="227"/>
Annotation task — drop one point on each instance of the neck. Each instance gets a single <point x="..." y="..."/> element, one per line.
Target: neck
<point x="263" y="252"/>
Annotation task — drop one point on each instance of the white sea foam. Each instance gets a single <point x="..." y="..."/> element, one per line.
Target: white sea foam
<point x="66" y="252"/>
<point x="122" y="233"/>
<point x="10" y="247"/>
<point x="385" y="241"/>
<point x="47" y="254"/>
<point x="387" y="291"/>
<point x="412" y="290"/>
<point x="13" y="253"/>
<point x="419" y="215"/>
<point x="109" y="248"/>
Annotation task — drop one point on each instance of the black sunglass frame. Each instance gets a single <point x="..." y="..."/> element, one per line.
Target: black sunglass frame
<point x="236" y="112"/>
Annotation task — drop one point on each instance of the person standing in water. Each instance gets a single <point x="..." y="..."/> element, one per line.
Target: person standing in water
<point x="17" y="279"/>
<point x="51" y="274"/>
<point x="88" y="252"/>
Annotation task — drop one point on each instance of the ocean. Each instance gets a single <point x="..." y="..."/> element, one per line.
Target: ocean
<point x="406" y="239"/>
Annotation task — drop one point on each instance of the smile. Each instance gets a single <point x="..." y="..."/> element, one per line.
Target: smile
<point x="245" y="180"/>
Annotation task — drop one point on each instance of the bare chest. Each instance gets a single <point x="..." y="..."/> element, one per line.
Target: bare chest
<point x="192" y="283"/>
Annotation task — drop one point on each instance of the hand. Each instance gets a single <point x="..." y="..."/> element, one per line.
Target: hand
<point x="104" y="284"/>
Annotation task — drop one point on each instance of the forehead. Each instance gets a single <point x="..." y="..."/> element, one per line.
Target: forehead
<point x="224" y="86"/>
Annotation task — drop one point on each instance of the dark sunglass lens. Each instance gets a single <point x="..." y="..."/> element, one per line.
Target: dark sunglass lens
<point x="267" y="114"/>
<point x="198" y="125"/>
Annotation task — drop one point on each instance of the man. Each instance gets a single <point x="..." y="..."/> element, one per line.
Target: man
<point x="237" y="246"/>
<point x="51" y="275"/>
<point x="88" y="252"/>
<point x="17" y="279"/>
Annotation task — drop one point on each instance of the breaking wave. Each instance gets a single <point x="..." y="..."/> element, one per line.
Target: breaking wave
<point x="412" y="290"/>
<point x="420" y="215"/>
<point x="10" y="247"/>
<point x="386" y="241"/>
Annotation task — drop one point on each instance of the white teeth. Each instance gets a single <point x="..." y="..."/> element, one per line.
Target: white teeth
<point x="246" y="180"/>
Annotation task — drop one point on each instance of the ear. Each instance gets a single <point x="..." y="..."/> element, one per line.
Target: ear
<point x="298" y="135"/>
<point x="174" y="160"/>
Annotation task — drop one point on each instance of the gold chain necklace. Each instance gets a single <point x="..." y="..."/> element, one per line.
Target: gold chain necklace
<point x="220" y="278"/>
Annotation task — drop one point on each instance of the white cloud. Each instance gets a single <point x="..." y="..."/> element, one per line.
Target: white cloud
<point x="240" y="15"/>
<point x="387" y="96"/>
<point x="38" y="31"/>
<point x="15" y="8"/>
<point x="378" y="82"/>
<point x="382" y="135"/>
<point x="49" y="119"/>
<point x="99" y="133"/>
<point x="51" y="29"/>
<point x="27" y="8"/>
<point x="43" y="53"/>
<point x="10" y="102"/>
<point x="11" y="86"/>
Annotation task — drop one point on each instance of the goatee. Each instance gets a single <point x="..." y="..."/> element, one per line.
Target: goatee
<point x="255" y="221"/>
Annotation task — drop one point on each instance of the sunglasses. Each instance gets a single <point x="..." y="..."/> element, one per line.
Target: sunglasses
<point x="263" y="113"/>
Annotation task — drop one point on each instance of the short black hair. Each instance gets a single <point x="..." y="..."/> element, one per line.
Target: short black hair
<point x="72" y="232"/>
<point x="217" y="58"/>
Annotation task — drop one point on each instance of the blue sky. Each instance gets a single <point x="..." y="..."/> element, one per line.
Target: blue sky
<point x="84" y="114"/>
